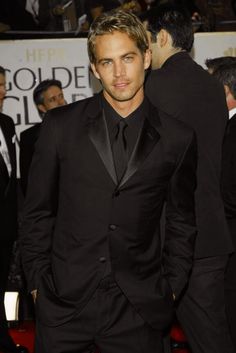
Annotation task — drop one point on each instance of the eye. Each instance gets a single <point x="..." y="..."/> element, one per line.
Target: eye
<point x="106" y="63"/>
<point x="128" y="59"/>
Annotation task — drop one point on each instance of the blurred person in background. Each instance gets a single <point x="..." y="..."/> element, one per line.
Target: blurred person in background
<point x="14" y="14"/>
<point x="181" y="88"/>
<point x="57" y="15"/>
<point x="47" y="95"/>
<point x="8" y="213"/>
<point x="226" y="74"/>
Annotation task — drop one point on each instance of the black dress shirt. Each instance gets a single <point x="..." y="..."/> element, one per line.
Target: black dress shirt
<point x="134" y="121"/>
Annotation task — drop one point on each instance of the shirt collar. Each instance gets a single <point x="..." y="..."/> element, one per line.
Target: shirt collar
<point x="135" y="118"/>
<point x="232" y="112"/>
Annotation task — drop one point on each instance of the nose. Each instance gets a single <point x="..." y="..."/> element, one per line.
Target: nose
<point x="61" y="101"/>
<point x="119" y="69"/>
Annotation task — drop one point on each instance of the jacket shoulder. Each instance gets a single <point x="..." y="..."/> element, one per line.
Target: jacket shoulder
<point x="71" y="109"/>
<point x="7" y="119"/>
<point x="31" y="131"/>
<point x="176" y="128"/>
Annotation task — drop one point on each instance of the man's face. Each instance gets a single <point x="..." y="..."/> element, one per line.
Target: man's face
<point x="53" y="97"/>
<point x="2" y="90"/>
<point x="121" y="67"/>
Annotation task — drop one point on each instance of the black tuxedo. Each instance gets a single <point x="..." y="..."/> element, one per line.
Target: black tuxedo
<point x="229" y="197"/>
<point x="77" y="216"/>
<point x="28" y="139"/>
<point x="185" y="91"/>
<point x="8" y="217"/>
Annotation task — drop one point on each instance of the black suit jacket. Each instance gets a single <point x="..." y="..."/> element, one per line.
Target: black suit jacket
<point x="8" y="199"/>
<point x="76" y="215"/>
<point x="28" y="139"/>
<point x="185" y="91"/>
<point x="229" y="175"/>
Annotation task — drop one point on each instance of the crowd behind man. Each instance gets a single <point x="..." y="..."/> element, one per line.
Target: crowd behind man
<point x="180" y="88"/>
<point x="66" y="15"/>
<point x="47" y="95"/>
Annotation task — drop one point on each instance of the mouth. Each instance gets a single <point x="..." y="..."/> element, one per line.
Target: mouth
<point x="121" y="84"/>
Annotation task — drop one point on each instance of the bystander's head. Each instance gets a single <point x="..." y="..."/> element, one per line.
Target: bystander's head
<point x="213" y="64"/>
<point x="48" y="95"/>
<point x="226" y="74"/>
<point x="170" y="30"/>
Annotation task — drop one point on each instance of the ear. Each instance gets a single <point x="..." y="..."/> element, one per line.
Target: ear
<point x="163" y="37"/>
<point x="41" y="108"/>
<point x="227" y="90"/>
<point x="95" y="72"/>
<point x="147" y="58"/>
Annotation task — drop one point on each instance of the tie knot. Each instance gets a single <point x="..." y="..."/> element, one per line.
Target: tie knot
<point x="121" y="125"/>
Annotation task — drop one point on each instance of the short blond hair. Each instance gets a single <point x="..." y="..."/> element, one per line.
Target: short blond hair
<point x="121" y="21"/>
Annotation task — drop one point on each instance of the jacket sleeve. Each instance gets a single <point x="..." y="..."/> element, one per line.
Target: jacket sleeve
<point x="180" y="227"/>
<point x="40" y="208"/>
<point x="228" y="173"/>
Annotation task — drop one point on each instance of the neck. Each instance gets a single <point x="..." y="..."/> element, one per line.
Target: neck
<point x="125" y="108"/>
<point x="172" y="52"/>
<point x="231" y="105"/>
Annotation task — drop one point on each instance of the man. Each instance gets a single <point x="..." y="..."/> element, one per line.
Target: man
<point x="8" y="212"/>
<point x="185" y="91"/>
<point x="47" y="95"/>
<point x="90" y="230"/>
<point x="226" y="74"/>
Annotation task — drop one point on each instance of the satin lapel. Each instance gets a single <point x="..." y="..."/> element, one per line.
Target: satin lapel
<point x="147" y="139"/>
<point x="98" y="134"/>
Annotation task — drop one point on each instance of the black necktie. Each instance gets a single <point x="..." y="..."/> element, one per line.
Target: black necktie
<point x="120" y="149"/>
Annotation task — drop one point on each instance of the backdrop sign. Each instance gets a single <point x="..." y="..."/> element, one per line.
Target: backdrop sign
<point x="28" y="62"/>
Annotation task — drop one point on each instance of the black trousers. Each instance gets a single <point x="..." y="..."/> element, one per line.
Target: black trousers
<point x="108" y="322"/>
<point x="201" y="311"/>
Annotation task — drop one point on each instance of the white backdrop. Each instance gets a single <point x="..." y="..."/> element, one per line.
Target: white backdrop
<point x="212" y="45"/>
<point x="30" y="61"/>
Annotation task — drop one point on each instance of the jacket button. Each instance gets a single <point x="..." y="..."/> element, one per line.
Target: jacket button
<point x="112" y="227"/>
<point x="116" y="193"/>
<point x="102" y="259"/>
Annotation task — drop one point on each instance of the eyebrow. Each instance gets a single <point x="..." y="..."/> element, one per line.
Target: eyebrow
<point x="122" y="56"/>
